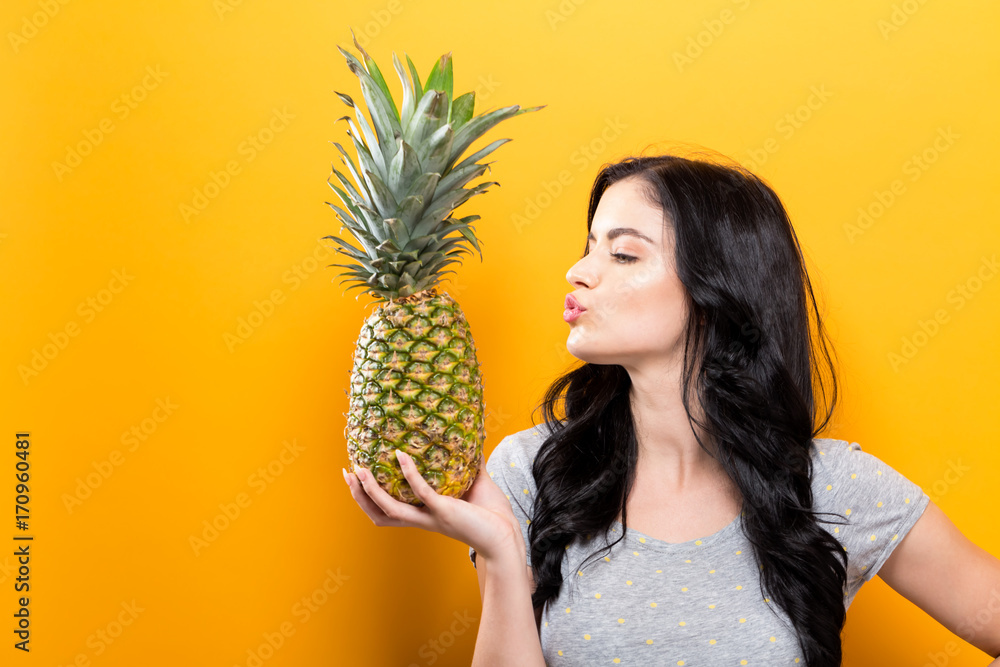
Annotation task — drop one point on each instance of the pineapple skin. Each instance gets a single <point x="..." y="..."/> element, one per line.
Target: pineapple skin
<point x="416" y="385"/>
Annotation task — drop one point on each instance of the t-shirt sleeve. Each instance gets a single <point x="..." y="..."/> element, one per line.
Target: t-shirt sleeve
<point x="879" y="504"/>
<point x="510" y="469"/>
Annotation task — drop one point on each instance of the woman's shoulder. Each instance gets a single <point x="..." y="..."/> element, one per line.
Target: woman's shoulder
<point x="841" y="462"/>
<point x="830" y="451"/>
<point x="843" y="471"/>
<point x="833" y="456"/>
<point x="520" y="447"/>
<point x="875" y="503"/>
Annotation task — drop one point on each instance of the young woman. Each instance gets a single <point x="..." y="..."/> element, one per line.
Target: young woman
<point x="681" y="510"/>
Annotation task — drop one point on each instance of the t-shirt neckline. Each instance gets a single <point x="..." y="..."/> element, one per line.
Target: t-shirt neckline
<point x="636" y="537"/>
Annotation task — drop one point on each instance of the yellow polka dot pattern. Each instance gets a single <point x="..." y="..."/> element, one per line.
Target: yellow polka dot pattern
<point x="858" y="506"/>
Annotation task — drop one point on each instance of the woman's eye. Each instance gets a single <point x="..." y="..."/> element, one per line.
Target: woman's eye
<point x="623" y="259"/>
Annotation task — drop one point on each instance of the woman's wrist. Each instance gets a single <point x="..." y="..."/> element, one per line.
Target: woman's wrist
<point x="509" y="550"/>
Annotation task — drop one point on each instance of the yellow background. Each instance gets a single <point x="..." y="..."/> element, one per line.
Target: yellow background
<point x="601" y="67"/>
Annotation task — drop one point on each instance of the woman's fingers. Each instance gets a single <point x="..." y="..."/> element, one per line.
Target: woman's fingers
<point x="396" y="513"/>
<point x="367" y="505"/>
<point x="477" y="525"/>
<point x="421" y="489"/>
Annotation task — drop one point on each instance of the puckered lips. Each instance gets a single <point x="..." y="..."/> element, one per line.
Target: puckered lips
<point x="572" y="308"/>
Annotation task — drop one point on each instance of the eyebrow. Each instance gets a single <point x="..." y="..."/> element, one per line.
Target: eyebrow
<point x="623" y="231"/>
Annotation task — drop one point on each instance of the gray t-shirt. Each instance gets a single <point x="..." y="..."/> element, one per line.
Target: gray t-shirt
<point x="699" y="603"/>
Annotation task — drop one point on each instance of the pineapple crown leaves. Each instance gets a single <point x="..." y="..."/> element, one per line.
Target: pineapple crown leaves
<point x="409" y="176"/>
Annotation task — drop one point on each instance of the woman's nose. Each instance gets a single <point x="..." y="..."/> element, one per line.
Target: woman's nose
<point x="580" y="274"/>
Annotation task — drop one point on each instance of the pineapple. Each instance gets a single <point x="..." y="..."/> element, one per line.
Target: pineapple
<point x="415" y="383"/>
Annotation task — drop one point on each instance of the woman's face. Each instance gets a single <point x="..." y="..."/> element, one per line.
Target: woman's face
<point x="635" y="308"/>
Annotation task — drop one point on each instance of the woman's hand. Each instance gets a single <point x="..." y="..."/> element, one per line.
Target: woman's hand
<point x="482" y="518"/>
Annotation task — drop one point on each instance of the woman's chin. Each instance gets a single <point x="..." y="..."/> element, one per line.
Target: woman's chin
<point x="587" y="354"/>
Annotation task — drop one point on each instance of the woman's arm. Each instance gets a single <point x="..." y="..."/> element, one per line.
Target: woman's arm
<point x="508" y="629"/>
<point x="944" y="573"/>
<point x="481" y="575"/>
<point x="482" y="519"/>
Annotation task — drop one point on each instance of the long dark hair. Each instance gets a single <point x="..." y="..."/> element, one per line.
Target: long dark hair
<point x="751" y="359"/>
